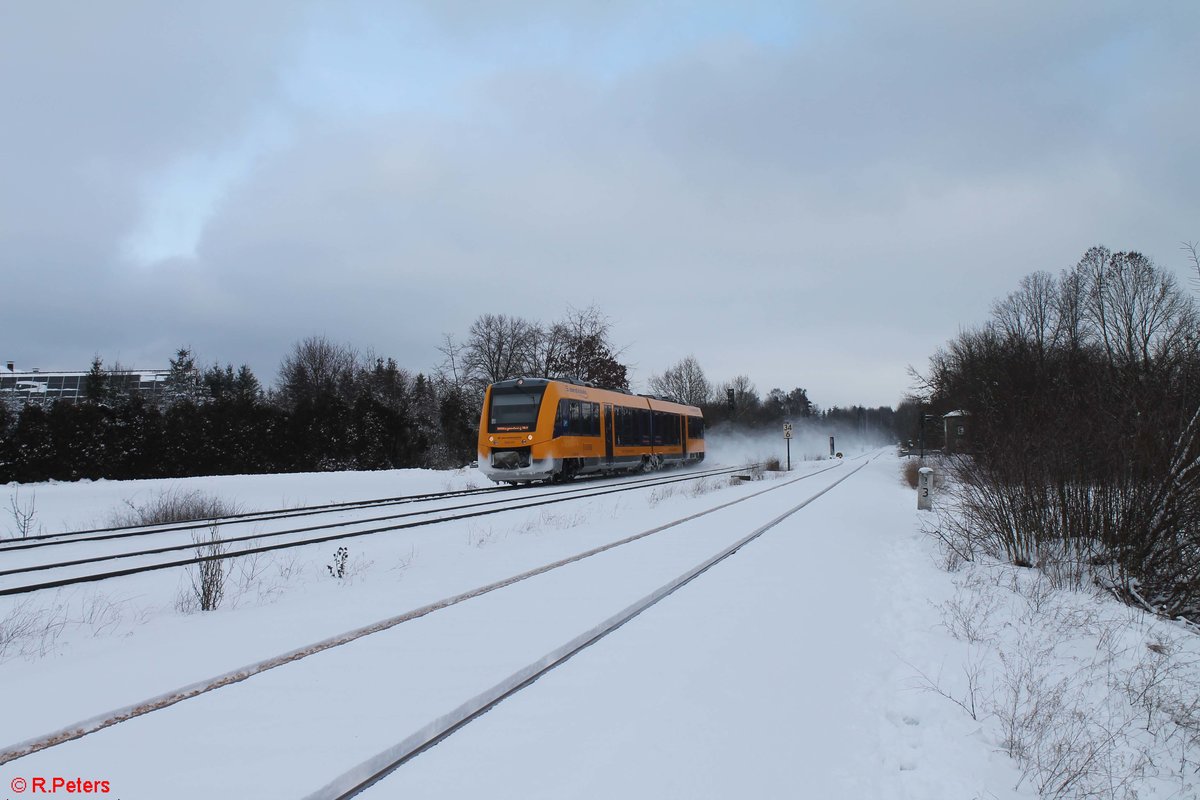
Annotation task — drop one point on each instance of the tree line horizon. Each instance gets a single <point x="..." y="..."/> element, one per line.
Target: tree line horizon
<point x="334" y="407"/>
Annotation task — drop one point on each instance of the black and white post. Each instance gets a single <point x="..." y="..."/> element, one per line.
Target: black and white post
<point x="787" y="437"/>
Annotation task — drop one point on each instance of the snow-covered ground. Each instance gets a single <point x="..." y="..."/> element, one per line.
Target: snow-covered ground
<point x="827" y="658"/>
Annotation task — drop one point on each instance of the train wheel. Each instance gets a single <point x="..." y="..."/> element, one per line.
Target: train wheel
<point x="651" y="463"/>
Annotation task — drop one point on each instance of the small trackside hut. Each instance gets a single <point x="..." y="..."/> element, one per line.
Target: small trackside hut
<point x="537" y="429"/>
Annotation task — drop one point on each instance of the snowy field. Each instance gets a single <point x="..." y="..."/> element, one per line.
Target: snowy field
<point x="833" y="657"/>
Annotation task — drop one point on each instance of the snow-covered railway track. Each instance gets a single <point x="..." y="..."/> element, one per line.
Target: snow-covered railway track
<point x="375" y="770"/>
<point x="517" y="585"/>
<point x="151" y="529"/>
<point x="111" y="547"/>
<point x="123" y="532"/>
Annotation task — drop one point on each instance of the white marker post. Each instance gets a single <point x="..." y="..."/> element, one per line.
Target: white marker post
<point x="925" y="489"/>
<point x="787" y="437"/>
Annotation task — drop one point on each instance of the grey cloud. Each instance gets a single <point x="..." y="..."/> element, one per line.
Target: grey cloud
<point x="819" y="212"/>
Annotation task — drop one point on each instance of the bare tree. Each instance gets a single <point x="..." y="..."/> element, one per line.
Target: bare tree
<point x="684" y="382"/>
<point x="1069" y="313"/>
<point x="1135" y="310"/>
<point x="498" y="347"/>
<point x="1030" y="314"/>
<point x="745" y="396"/>
<point x="583" y="349"/>
<point x="315" y="367"/>
<point x="548" y="350"/>
<point x="1193" y="254"/>
<point x="452" y="370"/>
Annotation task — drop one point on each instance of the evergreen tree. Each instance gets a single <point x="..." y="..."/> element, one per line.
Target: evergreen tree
<point x="458" y="425"/>
<point x="98" y="384"/>
<point x="32" y="446"/>
<point x="184" y="382"/>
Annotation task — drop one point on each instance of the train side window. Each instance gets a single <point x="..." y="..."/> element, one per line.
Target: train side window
<point x="588" y="419"/>
<point x="561" y="419"/>
<point x="632" y="426"/>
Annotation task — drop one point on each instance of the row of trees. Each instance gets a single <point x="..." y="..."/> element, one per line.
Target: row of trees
<point x="1084" y="390"/>
<point x="737" y="402"/>
<point x="333" y="409"/>
<point x="498" y="347"/>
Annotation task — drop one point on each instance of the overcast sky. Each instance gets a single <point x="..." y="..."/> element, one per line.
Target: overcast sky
<point x="811" y="194"/>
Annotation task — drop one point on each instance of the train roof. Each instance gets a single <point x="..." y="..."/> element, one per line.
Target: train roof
<point x="533" y="383"/>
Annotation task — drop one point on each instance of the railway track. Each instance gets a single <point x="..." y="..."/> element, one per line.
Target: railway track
<point x="151" y="529"/>
<point x="374" y="770"/>
<point x="365" y="773"/>
<point x="218" y="547"/>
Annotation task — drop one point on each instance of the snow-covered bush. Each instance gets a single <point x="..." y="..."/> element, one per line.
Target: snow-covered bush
<point x="1091" y="698"/>
<point x="174" y="505"/>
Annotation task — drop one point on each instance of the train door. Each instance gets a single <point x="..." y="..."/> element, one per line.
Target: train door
<point x="608" y="433"/>
<point x="683" y="437"/>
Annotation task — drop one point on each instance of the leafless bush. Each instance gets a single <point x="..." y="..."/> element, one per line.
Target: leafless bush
<point x="174" y="505"/>
<point x="661" y="493"/>
<point x="971" y="699"/>
<point x="702" y="487"/>
<point x="405" y="561"/>
<point x="206" y="579"/>
<point x="24" y="513"/>
<point x="28" y="630"/>
<point x="560" y="520"/>
<point x="287" y="565"/>
<point x="970" y="615"/>
<point x="910" y="471"/>
<point x="260" y="576"/>
<point x="99" y="613"/>
<point x="1024" y="524"/>
<point x="479" y="535"/>
<point x="1084" y="711"/>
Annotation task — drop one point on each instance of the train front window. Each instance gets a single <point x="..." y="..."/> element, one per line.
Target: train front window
<point x="514" y="410"/>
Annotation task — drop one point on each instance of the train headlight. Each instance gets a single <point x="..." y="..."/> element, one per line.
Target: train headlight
<point x="530" y="437"/>
<point x="492" y="439"/>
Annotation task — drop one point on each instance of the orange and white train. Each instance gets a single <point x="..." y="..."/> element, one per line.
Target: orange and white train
<point x="536" y="429"/>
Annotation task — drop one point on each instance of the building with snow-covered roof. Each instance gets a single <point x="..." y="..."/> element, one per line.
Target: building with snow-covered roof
<point x="958" y="430"/>
<point x="19" y="387"/>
